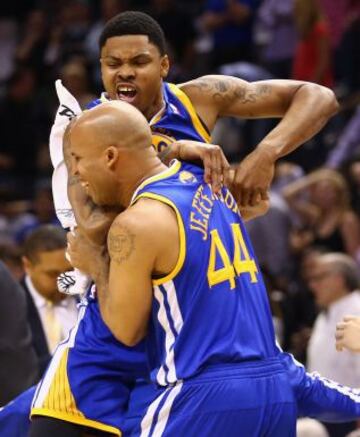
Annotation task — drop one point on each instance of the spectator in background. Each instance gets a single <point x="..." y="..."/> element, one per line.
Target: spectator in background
<point x="107" y="10"/>
<point x="19" y="365"/>
<point x="69" y="32"/>
<point x="75" y="79"/>
<point x="50" y="314"/>
<point x="277" y="35"/>
<point x="351" y="171"/>
<point x="348" y="143"/>
<point x="32" y="46"/>
<point x="10" y="255"/>
<point x="42" y="212"/>
<point x="322" y="203"/>
<point x="313" y="55"/>
<point x="230" y="22"/>
<point x="19" y="141"/>
<point x="178" y="27"/>
<point x="335" y="283"/>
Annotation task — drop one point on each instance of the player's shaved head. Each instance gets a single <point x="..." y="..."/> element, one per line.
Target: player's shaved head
<point x="111" y="152"/>
<point x="113" y="123"/>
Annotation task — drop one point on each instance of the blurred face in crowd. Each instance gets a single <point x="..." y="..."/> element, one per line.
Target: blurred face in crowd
<point x="132" y="70"/>
<point x="325" y="194"/>
<point x="44" y="270"/>
<point x="326" y="283"/>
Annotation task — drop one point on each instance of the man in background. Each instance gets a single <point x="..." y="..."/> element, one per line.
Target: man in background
<point x="19" y="365"/>
<point x="334" y="282"/>
<point x="50" y="314"/>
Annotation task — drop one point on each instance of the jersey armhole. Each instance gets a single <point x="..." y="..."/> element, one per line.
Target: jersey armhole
<point x="182" y="251"/>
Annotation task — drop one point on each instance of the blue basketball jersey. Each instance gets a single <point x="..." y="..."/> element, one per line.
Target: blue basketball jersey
<point x="213" y="307"/>
<point x="177" y="120"/>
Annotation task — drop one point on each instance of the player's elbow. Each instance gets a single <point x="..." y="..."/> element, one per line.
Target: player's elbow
<point x="122" y="333"/>
<point x="324" y="98"/>
<point x="129" y="339"/>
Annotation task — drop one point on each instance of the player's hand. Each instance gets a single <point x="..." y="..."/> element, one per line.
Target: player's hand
<point x="216" y="166"/>
<point x="83" y="253"/>
<point x="253" y="177"/>
<point x="347" y="334"/>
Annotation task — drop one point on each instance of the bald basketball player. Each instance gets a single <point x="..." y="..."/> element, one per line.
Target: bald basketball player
<point x="179" y="269"/>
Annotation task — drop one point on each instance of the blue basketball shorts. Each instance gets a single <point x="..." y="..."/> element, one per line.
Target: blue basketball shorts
<point x="90" y="377"/>
<point x="247" y="400"/>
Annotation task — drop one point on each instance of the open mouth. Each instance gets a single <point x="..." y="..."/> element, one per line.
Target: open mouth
<point x="127" y="93"/>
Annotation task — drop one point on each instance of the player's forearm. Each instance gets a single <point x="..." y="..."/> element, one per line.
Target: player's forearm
<point x="311" y="107"/>
<point x="94" y="221"/>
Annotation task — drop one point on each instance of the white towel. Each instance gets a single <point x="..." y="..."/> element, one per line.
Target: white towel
<point x="68" y="109"/>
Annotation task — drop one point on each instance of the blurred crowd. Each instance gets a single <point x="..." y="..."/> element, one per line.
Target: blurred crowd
<point x="309" y="242"/>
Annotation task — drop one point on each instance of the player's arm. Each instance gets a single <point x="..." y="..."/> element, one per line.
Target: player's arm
<point x="348" y="334"/>
<point x="137" y="248"/>
<point x="304" y="109"/>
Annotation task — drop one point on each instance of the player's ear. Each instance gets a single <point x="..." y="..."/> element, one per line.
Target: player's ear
<point x="112" y="156"/>
<point x="164" y="66"/>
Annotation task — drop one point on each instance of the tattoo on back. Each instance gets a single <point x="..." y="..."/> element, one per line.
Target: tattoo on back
<point x="121" y="243"/>
<point x="228" y="89"/>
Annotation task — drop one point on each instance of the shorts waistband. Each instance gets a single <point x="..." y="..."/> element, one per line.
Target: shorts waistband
<point x="258" y="368"/>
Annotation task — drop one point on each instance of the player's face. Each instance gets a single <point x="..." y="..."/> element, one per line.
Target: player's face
<point x="132" y="70"/>
<point x="89" y="165"/>
<point x="44" y="272"/>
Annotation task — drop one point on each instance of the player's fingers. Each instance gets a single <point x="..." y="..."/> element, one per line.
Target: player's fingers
<point x="255" y="198"/>
<point x="340" y="326"/>
<point x="264" y="194"/>
<point x="349" y="318"/>
<point x="339" y="346"/>
<point x="207" y="163"/>
<point x="339" y="335"/>
<point x="216" y="173"/>
<point x="244" y="197"/>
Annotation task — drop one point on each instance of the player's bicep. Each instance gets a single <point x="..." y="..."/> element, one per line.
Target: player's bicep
<point x="268" y="98"/>
<point x="220" y="95"/>
<point x="130" y="286"/>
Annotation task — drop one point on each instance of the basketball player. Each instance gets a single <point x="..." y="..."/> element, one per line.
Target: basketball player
<point x="180" y="256"/>
<point x="348" y="334"/>
<point x="134" y="66"/>
<point x="172" y="115"/>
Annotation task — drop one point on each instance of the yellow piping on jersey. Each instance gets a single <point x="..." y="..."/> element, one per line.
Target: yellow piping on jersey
<point x="76" y="420"/>
<point x="174" y="168"/>
<point x="190" y="108"/>
<point x="60" y="402"/>
<point x="182" y="251"/>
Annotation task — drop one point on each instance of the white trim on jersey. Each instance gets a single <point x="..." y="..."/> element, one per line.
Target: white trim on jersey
<point x="352" y="393"/>
<point x="167" y="372"/>
<point x="44" y="385"/>
<point x="164" y="413"/>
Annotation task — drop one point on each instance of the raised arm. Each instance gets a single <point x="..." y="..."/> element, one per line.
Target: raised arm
<point x="304" y="109"/>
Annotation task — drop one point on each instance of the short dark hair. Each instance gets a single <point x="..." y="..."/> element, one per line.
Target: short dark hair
<point x="45" y="238"/>
<point x="134" y="23"/>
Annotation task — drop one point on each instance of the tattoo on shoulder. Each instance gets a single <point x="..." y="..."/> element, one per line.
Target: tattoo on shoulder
<point x="227" y="89"/>
<point x="121" y="243"/>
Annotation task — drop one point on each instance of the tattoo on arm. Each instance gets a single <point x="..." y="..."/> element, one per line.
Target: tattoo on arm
<point x="225" y="90"/>
<point x="121" y="243"/>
